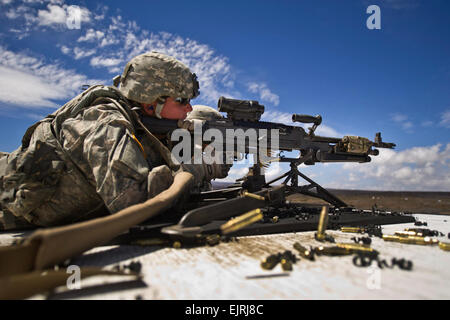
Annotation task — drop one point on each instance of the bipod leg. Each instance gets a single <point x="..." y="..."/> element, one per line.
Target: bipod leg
<point x="322" y="193"/>
<point x="276" y="179"/>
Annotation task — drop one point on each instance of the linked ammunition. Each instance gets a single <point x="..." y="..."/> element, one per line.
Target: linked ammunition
<point x="242" y="221"/>
<point x="411" y="240"/>
<point x="305" y="253"/>
<point x="444" y="246"/>
<point x="322" y="226"/>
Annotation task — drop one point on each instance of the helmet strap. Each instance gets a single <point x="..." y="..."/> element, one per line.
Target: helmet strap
<point x="159" y="107"/>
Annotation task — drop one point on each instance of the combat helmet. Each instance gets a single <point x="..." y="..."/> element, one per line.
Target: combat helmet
<point x="201" y="112"/>
<point x="152" y="75"/>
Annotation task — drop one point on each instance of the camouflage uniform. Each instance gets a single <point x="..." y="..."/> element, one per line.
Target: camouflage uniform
<point x="87" y="159"/>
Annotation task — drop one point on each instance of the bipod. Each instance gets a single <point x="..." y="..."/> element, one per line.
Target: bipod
<point x="321" y="193"/>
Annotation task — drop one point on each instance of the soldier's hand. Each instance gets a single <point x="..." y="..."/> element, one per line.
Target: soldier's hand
<point x="216" y="171"/>
<point x="190" y="124"/>
<point x="159" y="179"/>
<point x="206" y="172"/>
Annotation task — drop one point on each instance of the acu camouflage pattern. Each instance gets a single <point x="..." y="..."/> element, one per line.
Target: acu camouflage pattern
<point x="80" y="162"/>
<point x="152" y="75"/>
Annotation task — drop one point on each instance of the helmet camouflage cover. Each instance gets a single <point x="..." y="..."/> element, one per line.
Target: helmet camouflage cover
<point x="152" y="75"/>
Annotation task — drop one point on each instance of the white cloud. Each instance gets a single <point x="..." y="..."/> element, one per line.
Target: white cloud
<point x="327" y="131"/>
<point x="100" y="16"/>
<point x="29" y="82"/>
<point x="54" y="15"/>
<point x="445" y="119"/>
<point x="403" y="121"/>
<point x="286" y="118"/>
<point x="397" y="117"/>
<point x="33" y="15"/>
<point x="91" y="35"/>
<point x="235" y="172"/>
<point x="104" y="62"/>
<point x="59" y="15"/>
<point x="407" y="125"/>
<point x="77" y="53"/>
<point x="25" y="13"/>
<point x="418" y="168"/>
<point x="274" y="171"/>
<point x="20" y="88"/>
<point x="65" y="50"/>
<point x="264" y="93"/>
<point x="80" y="53"/>
<point x="278" y="116"/>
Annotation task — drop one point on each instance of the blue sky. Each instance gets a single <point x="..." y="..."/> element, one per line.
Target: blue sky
<point x="293" y="56"/>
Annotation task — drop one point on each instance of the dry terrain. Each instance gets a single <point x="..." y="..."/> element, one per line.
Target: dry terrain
<point x="405" y="201"/>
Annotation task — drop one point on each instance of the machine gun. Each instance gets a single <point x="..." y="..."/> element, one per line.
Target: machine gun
<point x="244" y="115"/>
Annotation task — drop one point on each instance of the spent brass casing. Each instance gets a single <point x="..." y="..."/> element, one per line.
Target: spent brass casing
<point x="176" y="244"/>
<point x="411" y="240"/>
<point x="270" y="262"/>
<point x="355" y="247"/>
<point x="241" y="221"/>
<point x="444" y="246"/>
<point x="323" y="222"/>
<point x="254" y="196"/>
<point x="352" y="229"/>
<point x="333" y="251"/>
<point x="304" y="252"/>
<point x="286" y="265"/>
<point x="408" y="234"/>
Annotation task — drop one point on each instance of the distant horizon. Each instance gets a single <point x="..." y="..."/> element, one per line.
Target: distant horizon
<point x="224" y="184"/>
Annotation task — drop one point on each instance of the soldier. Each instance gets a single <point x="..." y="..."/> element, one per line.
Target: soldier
<point x="93" y="156"/>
